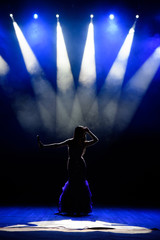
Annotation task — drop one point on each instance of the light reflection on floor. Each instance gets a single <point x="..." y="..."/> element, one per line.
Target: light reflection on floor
<point x="70" y="225"/>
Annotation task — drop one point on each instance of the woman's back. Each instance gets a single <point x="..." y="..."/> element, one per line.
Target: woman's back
<point x="76" y="149"/>
<point x="76" y="163"/>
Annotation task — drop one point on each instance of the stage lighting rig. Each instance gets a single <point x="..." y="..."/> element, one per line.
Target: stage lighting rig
<point x="35" y="16"/>
<point x="57" y="16"/>
<point x="11" y="16"/>
<point x="91" y="16"/>
<point x="111" y="16"/>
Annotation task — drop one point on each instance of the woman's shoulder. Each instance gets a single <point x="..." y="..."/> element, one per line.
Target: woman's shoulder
<point x="70" y="140"/>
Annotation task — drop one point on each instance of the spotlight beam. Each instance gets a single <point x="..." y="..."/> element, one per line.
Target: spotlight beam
<point x="136" y="89"/>
<point x="65" y="85"/>
<point x="114" y="80"/>
<point x="11" y="15"/>
<point x="4" y="68"/>
<point x="43" y="90"/>
<point x="64" y="74"/>
<point x="87" y="75"/>
<point x="86" y="91"/>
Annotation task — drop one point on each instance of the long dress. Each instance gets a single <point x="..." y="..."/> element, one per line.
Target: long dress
<point x="76" y="194"/>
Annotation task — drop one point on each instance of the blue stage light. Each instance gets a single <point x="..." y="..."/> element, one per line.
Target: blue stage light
<point x="111" y="16"/>
<point x="35" y="16"/>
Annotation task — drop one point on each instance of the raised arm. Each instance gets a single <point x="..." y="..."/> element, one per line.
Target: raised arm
<point x="94" y="138"/>
<point x="52" y="145"/>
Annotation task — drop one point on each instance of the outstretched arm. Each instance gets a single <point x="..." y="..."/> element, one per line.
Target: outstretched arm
<point x="52" y="145"/>
<point x="94" y="138"/>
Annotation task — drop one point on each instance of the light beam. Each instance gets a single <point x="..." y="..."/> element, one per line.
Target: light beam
<point x="43" y="90"/>
<point x="136" y="89"/>
<point x="114" y="80"/>
<point x="4" y="68"/>
<point x="87" y="75"/>
<point x="65" y="84"/>
<point x="87" y="78"/>
<point x="64" y="74"/>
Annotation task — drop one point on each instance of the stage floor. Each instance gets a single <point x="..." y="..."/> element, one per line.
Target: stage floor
<point x="103" y="223"/>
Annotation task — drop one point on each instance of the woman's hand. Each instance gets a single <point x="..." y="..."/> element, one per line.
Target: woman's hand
<point x="40" y="144"/>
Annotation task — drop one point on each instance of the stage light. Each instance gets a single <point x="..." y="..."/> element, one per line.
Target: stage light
<point x="65" y="86"/>
<point x="87" y="90"/>
<point x="31" y="62"/>
<point x="64" y="73"/>
<point x="136" y="89"/>
<point x="44" y="93"/>
<point x="57" y="15"/>
<point x="137" y="16"/>
<point x="116" y="74"/>
<point x="4" y="68"/>
<point x="88" y="69"/>
<point x="35" y="16"/>
<point x="114" y="80"/>
<point x="91" y="16"/>
<point x="131" y="30"/>
<point x="111" y="16"/>
<point x="11" y="15"/>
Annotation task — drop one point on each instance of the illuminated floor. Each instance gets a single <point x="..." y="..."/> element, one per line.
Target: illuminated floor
<point x="103" y="223"/>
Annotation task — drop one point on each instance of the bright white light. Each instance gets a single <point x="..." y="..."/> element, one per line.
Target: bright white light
<point x="136" y="88"/>
<point x="114" y="81"/>
<point x="31" y="62"/>
<point x="70" y="225"/>
<point x="116" y="74"/>
<point x="111" y="16"/>
<point x="86" y="90"/>
<point x="91" y="16"/>
<point x="43" y="90"/>
<point x="57" y="15"/>
<point x="88" y="68"/>
<point x="35" y="16"/>
<point x="131" y="30"/>
<point x="65" y="83"/>
<point x="4" y="68"/>
<point x="11" y="15"/>
<point x="64" y="73"/>
<point x="137" y="16"/>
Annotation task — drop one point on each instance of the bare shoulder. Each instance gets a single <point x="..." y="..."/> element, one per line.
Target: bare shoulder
<point x="69" y="140"/>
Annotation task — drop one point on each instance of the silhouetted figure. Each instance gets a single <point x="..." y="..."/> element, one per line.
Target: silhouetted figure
<point x="76" y="194"/>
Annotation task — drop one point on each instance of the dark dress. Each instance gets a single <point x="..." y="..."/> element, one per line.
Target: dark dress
<point x="76" y="194"/>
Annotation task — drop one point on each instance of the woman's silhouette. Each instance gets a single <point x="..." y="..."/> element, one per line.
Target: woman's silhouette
<point x="76" y="194"/>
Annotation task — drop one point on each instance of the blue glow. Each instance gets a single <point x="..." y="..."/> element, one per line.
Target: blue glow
<point x="112" y="27"/>
<point x="111" y="16"/>
<point x="35" y="16"/>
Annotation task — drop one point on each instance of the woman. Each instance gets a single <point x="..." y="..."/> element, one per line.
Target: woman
<point x="76" y="195"/>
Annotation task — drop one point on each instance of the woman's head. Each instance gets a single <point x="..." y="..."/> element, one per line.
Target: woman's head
<point x="79" y="133"/>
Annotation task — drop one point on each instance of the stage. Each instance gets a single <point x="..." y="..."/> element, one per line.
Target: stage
<point x="42" y="222"/>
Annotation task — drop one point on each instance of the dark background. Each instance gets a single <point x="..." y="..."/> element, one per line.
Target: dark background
<point x="122" y="170"/>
